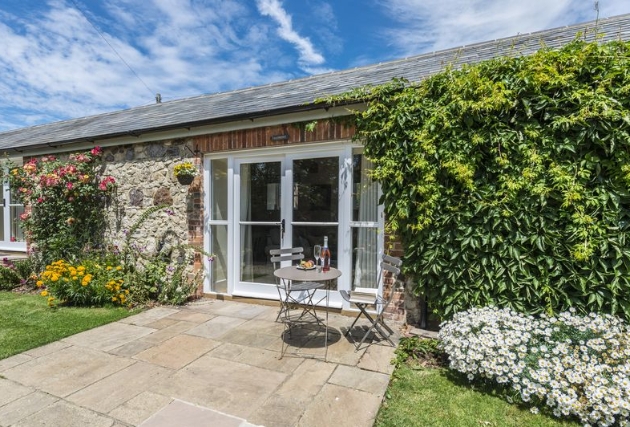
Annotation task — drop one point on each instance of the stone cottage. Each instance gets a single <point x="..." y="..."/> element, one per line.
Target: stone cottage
<point x="275" y="168"/>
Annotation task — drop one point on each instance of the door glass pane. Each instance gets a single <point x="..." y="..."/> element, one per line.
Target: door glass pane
<point x="364" y="191"/>
<point x="315" y="190"/>
<point x="256" y="242"/>
<point x="365" y="236"/>
<point x="17" y="235"/>
<point x="364" y="257"/>
<point x="260" y="191"/>
<point x="218" y="267"/>
<point x="311" y="235"/>
<point x="219" y="202"/>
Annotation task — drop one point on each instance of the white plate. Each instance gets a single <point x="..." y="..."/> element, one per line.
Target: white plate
<point x="299" y="267"/>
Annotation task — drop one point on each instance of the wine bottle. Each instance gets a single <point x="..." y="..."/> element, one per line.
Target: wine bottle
<point x="325" y="255"/>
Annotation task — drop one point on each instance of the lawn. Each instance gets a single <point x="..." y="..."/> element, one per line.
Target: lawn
<point x="27" y="322"/>
<point x="434" y="397"/>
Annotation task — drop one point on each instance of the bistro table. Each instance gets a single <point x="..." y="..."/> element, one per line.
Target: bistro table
<point x="297" y="274"/>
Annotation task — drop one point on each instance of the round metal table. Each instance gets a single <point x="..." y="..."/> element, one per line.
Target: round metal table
<point x="327" y="278"/>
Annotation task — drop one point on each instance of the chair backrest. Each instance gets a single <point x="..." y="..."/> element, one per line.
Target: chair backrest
<point x="390" y="268"/>
<point x="288" y="254"/>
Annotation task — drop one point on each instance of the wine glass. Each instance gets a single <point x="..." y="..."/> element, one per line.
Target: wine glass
<point x="317" y="250"/>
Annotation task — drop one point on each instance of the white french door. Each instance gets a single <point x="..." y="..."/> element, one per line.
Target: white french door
<point x="282" y="201"/>
<point x="259" y="202"/>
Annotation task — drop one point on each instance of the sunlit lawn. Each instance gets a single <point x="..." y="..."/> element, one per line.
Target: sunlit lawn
<point x="27" y="322"/>
<point x="433" y="397"/>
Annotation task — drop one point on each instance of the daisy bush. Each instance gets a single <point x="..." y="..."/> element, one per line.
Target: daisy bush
<point x="574" y="365"/>
<point x="88" y="283"/>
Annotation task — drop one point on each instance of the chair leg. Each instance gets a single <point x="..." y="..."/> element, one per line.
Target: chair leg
<point x="361" y="307"/>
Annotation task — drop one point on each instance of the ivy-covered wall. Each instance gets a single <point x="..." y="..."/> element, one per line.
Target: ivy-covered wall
<point x="507" y="181"/>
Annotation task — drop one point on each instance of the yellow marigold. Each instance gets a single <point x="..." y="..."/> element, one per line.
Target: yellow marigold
<point x="109" y="267"/>
<point x="39" y="283"/>
<point x="86" y="280"/>
<point x="119" y="268"/>
<point x="81" y="268"/>
<point x="44" y="293"/>
<point x="113" y="298"/>
<point x="54" y="277"/>
<point x="51" y="299"/>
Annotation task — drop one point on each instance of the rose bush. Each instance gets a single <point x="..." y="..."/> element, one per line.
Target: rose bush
<point x="64" y="201"/>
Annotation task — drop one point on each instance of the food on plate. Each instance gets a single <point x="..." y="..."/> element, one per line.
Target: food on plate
<point x="307" y="264"/>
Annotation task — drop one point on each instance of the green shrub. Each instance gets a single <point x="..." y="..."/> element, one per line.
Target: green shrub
<point x="15" y="273"/>
<point x="164" y="275"/>
<point x="569" y="365"/>
<point x="91" y="282"/>
<point x="65" y="200"/>
<point x="508" y="181"/>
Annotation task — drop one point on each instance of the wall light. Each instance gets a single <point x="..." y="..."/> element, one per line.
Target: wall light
<point x="280" y="137"/>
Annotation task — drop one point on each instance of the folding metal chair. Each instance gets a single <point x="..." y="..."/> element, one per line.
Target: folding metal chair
<point x="294" y="294"/>
<point x="365" y="298"/>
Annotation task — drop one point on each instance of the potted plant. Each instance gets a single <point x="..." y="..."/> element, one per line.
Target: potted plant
<point x="185" y="172"/>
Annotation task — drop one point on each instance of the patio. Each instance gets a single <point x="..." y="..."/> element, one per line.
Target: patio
<point x="210" y="363"/>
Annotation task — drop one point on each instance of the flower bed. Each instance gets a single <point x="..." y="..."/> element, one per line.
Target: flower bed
<point x="575" y="365"/>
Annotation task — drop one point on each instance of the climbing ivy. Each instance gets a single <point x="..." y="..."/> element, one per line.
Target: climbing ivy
<point x="507" y="181"/>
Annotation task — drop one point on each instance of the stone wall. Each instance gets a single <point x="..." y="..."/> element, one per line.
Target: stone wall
<point x="144" y="174"/>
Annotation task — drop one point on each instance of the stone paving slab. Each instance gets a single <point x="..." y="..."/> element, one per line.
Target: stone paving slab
<point x="190" y="316"/>
<point x="67" y="370"/>
<point x="10" y="391"/>
<point x="24" y="407"/>
<point x="12" y="361"/>
<point x="149" y="316"/>
<point x="179" y="413"/>
<point x="64" y="414"/>
<point x="47" y="349"/>
<point x="341" y="406"/>
<point x="217" y="326"/>
<point x="108" y="337"/>
<point x="168" y="332"/>
<point x="107" y="394"/>
<point x="230" y="387"/>
<point x="139" y="408"/>
<point x="178" y="351"/>
<point x="359" y="379"/>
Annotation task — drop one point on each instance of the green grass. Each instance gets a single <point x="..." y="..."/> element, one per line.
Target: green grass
<point x="27" y="322"/>
<point x="434" y="397"/>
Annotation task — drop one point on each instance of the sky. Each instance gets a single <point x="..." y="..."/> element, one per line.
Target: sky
<point x="63" y="59"/>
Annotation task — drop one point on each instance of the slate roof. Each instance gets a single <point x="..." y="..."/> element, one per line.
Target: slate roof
<point x="293" y="95"/>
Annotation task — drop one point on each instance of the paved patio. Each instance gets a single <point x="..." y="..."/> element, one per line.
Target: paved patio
<point x="211" y="363"/>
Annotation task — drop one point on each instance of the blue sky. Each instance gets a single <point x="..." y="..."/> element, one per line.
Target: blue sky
<point x="61" y="59"/>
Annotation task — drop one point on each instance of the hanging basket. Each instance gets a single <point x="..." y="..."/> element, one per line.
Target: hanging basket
<point x="185" y="179"/>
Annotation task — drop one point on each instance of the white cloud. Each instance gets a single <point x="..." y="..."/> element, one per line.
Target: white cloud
<point x="273" y="9"/>
<point x="439" y="24"/>
<point x="55" y="65"/>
